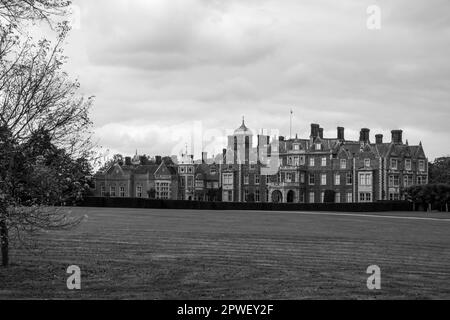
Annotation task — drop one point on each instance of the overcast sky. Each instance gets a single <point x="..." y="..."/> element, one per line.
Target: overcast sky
<point x="159" y="68"/>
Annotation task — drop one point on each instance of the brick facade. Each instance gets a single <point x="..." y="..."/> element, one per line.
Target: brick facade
<point x="278" y="170"/>
<point x="307" y="169"/>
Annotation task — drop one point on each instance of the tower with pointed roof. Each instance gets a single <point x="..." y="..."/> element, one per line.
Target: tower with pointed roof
<point x="136" y="159"/>
<point x="240" y="144"/>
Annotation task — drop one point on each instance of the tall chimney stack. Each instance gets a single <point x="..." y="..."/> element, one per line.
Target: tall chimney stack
<point x="397" y="136"/>
<point x="340" y="133"/>
<point x="224" y="156"/>
<point x="364" y="135"/>
<point x="204" y="157"/>
<point x="321" y="133"/>
<point x="379" y="138"/>
<point x="314" y="130"/>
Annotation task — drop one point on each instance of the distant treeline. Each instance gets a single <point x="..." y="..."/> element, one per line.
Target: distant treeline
<point x="434" y="196"/>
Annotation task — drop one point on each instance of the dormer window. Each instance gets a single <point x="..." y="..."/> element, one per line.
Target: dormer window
<point x="408" y="164"/>
<point x="296" y="147"/>
<point x="318" y="146"/>
<point x="366" y="163"/>
<point x="421" y="165"/>
<point x="394" y="164"/>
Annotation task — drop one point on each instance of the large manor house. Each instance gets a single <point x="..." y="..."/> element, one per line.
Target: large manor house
<point x="277" y="170"/>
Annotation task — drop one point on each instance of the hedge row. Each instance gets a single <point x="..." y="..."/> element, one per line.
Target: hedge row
<point x="200" y="205"/>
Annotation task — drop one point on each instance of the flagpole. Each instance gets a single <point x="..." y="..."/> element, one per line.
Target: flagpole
<point x="290" y="126"/>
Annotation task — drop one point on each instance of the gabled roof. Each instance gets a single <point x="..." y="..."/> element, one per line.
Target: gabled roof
<point x="383" y="148"/>
<point x="399" y="150"/>
<point x="417" y="151"/>
<point x="367" y="148"/>
<point x="351" y="148"/>
<point x="288" y="145"/>
<point x="328" y="144"/>
<point x="204" y="172"/>
<point x="164" y="169"/>
<point x="144" y="169"/>
<point x="343" y="152"/>
<point x="117" y="169"/>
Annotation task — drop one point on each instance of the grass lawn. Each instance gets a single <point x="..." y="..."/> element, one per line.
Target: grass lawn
<point x="188" y="254"/>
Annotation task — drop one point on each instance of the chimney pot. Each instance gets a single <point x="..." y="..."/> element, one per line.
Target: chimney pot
<point x="314" y="130"/>
<point x="224" y="156"/>
<point x="379" y="138"/>
<point x="340" y="133"/>
<point x="397" y="136"/>
<point x="364" y="135"/>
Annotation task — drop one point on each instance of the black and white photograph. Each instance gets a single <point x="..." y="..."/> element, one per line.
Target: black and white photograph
<point x="203" y="151"/>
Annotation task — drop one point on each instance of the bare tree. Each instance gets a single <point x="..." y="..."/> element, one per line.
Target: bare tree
<point x="37" y="96"/>
<point x="15" y="11"/>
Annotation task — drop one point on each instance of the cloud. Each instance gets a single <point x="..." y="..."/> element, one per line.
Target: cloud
<point x="161" y="64"/>
<point x="159" y="35"/>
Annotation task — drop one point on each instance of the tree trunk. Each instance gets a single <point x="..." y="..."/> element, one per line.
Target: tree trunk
<point x="4" y="241"/>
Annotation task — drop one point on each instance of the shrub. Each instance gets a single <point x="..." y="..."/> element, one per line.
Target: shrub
<point x="210" y="205"/>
